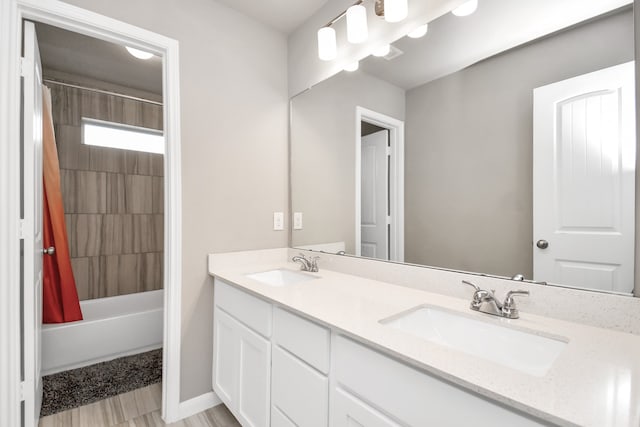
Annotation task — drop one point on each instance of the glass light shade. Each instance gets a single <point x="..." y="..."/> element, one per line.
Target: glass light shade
<point x="353" y="66"/>
<point x="357" y="31"/>
<point x="418" y="32"/>
<point x="327" y="49"/>
<point x="140" y="54"/>
<point x="395" y="10"/>
<point x="466" y="9"/>
<point x="382" y="50"/>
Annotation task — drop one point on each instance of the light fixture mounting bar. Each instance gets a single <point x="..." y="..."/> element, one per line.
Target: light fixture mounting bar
<point x="342" y="15"/>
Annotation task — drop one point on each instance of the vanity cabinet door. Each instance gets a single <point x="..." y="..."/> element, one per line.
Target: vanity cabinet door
<point x="241" y="370"/>
<point x="349" y="411"/>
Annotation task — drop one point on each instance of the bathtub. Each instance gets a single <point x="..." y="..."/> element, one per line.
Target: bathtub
<point x="112" y="327"/>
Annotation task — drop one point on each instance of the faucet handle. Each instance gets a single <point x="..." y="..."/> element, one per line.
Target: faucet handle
<point x="509" y="309"/>
<point x="476" y="287"/>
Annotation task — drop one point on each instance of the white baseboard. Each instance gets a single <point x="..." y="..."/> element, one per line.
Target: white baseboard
<point x="198" y="404"/>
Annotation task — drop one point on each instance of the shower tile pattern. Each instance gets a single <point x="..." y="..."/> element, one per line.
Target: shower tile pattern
<point x="113" y="198"/>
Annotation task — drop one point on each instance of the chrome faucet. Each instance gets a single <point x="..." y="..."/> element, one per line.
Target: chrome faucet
<point x="486" y="302"/>
<point x="307" y="264"/>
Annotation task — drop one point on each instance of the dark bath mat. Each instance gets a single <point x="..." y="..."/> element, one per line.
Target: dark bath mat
<point x="78" y="387"/>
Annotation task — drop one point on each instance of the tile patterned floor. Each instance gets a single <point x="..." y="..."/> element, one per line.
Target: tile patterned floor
<point x="137" y="408"/>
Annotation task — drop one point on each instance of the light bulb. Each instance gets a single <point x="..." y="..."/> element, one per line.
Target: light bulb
<point x="395" y="10"/>
<point x="140" y="54"/>
<point x="357" y="31"/>
<point x="466" y="9"/>
<point x="418" y="32"/>
<point x="382" y="50"/>
<point x="352" y="67"/>
<point x="327" y="49"/>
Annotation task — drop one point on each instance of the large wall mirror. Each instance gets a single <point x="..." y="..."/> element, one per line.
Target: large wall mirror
<point x="501" y="143"/>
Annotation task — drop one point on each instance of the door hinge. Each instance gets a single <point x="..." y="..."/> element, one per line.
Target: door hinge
<point x="389" y="220"/>
<point x="21" y="390"/>
<point x="22" y="229"/>
<point x="388" y="149"/>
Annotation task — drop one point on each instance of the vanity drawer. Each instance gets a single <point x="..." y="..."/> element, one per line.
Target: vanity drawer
<point x="253" y="312"/>
<point x="307" y="340"/>
<point x="298" y="391"/>
<point x="411" y="396"/>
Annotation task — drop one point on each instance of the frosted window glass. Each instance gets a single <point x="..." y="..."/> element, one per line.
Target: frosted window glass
<point x="125" y="137"/>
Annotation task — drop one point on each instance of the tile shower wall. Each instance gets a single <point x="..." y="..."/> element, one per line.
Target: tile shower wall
<point x="113" y="198"/>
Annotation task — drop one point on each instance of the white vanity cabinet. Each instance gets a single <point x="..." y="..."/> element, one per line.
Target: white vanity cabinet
<point x="300" y="368"/>
<point x="275" y="368"/>
<point x="242" y="354"/>
<point x="397" y="394"/>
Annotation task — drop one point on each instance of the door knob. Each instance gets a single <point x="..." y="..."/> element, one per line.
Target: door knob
<point x="49" y="251"/>
<point x="542" y="244"/>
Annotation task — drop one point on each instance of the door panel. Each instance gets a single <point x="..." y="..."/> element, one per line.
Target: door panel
<point x="32" y="224"/>
<point x="225" y="357"/>
<point x="348" y="411"/>
<point x="375" y="195"/>
<point x="584" y="180"/>
<point x="255" y="379"/>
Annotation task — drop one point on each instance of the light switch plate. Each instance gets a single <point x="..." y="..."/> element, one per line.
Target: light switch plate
<point x="278" y="221"/>
<point x="297" y="220"/>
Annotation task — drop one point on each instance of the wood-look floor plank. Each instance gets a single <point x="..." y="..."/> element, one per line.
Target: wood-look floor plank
<point x="137" y="408"/>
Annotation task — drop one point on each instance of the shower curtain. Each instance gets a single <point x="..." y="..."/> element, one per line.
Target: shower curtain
<point x="59" y="295"/>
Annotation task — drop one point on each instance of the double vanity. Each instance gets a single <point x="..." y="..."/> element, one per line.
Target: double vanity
<point x="339" y="348"/>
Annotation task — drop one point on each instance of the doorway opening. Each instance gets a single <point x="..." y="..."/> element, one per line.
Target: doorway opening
<point x="24" y="388"/>
<point x="379" y="222"/>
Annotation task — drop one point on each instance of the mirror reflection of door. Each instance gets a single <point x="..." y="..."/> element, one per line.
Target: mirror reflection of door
<point x="375" y="210"/>
<point x="584" y="180"/>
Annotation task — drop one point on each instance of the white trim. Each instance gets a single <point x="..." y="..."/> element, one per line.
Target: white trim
<point x="75" y="19"/>
<point x="199" y="404"/>
<point x="396" y="138"/>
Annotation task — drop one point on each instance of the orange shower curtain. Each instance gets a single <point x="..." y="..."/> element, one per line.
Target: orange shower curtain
<point x="59" y="295"/>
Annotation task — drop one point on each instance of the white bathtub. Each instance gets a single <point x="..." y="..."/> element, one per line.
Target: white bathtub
<point x="112" y="327"/>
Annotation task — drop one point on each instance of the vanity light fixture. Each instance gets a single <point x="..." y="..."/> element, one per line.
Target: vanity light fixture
<point x="466" y="9"/>
<point x="382" y="50"/>
<point x="357" y="31"/>
<point x="352" y="67"/>
<point x="418" y="32"/>
<point x="395" y="10"/>
<point x="327" y="49"/>
<point x="140" y="54"/>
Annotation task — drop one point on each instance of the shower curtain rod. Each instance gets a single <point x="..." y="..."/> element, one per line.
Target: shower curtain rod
<point x="106" y="92"/>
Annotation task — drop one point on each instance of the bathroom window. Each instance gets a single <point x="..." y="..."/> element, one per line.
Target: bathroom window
<point x="117" y="135"/>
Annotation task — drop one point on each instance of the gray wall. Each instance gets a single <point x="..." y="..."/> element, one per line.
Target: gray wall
<point x="233" y="71"/>
<point x="113" y="199"/>
<point x="468" y="177"/>
<point x="323" y="126"/>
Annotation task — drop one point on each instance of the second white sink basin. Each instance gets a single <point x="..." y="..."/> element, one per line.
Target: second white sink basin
<point x="527" y="352"/>
<point x="281" y="277"/>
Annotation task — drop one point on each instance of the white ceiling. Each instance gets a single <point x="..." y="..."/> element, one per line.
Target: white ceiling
<point x="74" y="53"/>
<point x="283" y="15"/>
<point x="453" y="43"/>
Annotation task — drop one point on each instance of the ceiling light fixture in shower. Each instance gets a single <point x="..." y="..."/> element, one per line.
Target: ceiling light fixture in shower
<point x="140" y="54"/>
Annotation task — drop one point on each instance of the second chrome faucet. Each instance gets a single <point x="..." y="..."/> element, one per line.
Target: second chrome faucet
<point x="486" y="302"/>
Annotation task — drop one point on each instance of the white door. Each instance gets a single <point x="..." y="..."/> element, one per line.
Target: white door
<point x="584" y="180"/>
<point x="32" y="200"/>
<point x="375" y="195"/>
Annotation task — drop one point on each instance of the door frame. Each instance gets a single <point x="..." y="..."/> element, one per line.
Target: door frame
<point x="72" y="18"/>
<point x="396" y="175"/>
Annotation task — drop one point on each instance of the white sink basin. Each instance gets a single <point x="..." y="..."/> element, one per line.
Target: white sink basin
<point x="280" y="277"/>
<point x="527" y="352"/>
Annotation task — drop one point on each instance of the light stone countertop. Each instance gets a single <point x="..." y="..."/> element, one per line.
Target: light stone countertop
<point x="595" y="381"/>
